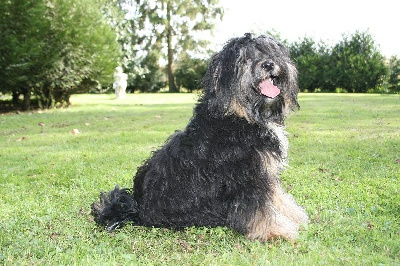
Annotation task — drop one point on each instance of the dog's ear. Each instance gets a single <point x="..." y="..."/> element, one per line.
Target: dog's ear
<point x="221" y="68"/>
<point x="291" y="100"/>
<point x="220" y="76"/>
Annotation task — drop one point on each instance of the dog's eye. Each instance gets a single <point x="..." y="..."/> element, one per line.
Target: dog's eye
<point x="268" y="65"/>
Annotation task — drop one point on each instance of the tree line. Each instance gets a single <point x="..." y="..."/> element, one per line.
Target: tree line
<point x="354" y="64"/>
<point x="51" y="49"/>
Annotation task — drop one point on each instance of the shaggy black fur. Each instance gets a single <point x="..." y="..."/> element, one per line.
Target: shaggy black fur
<point x="223" y="169"/>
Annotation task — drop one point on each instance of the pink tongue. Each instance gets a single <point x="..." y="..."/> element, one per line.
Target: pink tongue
<point x="268" y="89"/>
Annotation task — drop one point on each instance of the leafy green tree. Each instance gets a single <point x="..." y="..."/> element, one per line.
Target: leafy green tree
<point x="394" y="75"/>
<point x="174" y="23"/>
<point x="309" y="58"/>
<point x="54" y="48"/>
<point x="359" y="66"/>
<point x="118" y="14"/>
<point x="354" y="64"/>
<point x="151" y="78"/>
<point x="189" y="72"/>
<point x="25" y="47"/>
<point x="87" y="51"/>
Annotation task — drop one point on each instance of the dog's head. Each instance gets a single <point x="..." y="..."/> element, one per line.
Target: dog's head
<point x="252" y="78"/>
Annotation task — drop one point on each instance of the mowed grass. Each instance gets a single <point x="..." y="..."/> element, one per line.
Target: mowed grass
<point x="344" y="169"/>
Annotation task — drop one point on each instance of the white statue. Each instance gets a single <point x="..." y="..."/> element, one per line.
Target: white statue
<point x="120" y="83"/>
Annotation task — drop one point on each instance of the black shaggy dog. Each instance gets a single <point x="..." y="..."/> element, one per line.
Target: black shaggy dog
<point x="223" y="169"/>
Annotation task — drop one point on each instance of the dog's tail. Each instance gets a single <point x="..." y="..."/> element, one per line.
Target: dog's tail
<point x="115" y="209"/>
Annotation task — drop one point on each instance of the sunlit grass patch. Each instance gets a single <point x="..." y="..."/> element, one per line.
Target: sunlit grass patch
<point x="344" y="169"/>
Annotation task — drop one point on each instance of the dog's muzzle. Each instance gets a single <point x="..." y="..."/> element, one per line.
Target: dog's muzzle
<point x="267" y="86"/>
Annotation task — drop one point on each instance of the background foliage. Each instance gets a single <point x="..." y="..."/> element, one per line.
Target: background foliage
<point x="174" y="25"/>
<point x="54" y="48"/>
<point x="352" y="65"/>
<point x="51" y="49"/>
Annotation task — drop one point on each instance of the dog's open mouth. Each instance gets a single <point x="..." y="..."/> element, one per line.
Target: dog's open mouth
<point x="268" y="88"/>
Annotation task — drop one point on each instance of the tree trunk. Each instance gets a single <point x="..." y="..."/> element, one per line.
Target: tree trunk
<point x="15" y="98"/>
<point x="171" y="81"/>
<point x="26" y="104"/>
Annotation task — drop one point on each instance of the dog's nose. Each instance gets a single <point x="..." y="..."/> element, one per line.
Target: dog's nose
<point x="268" y="65"/>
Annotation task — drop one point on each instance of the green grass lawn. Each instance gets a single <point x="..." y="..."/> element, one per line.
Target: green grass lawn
<point x="345" y="169"/>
